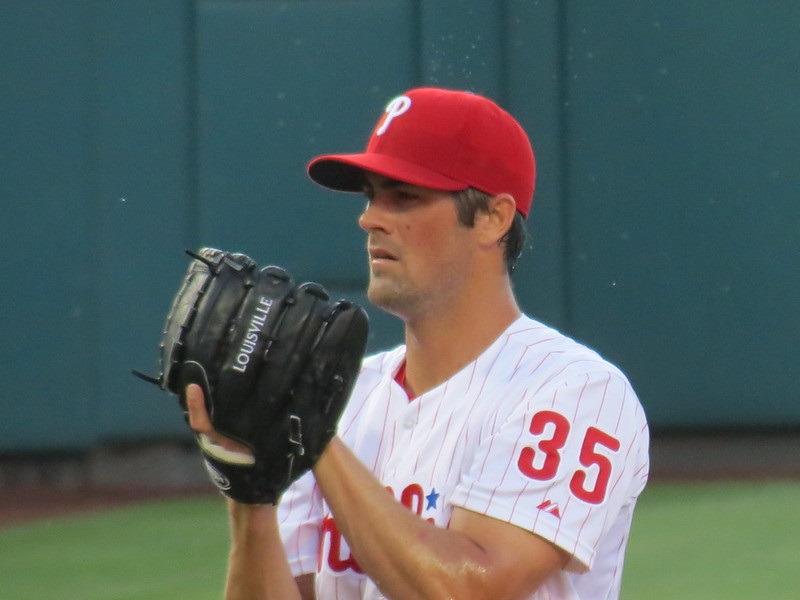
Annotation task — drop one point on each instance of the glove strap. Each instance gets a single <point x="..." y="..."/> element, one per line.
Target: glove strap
<point x="242" y="459"/>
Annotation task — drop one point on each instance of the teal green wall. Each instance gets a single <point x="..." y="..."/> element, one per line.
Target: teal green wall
<point x="665" y="224"/>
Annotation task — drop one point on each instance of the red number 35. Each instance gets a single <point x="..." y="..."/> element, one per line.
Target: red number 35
<point x="542" y="462"/>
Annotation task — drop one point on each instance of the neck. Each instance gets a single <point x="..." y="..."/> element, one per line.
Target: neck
<point x="440" y="344"/>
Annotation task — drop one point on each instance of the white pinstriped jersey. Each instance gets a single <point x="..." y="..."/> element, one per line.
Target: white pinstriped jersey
<point x="538" y="431"/>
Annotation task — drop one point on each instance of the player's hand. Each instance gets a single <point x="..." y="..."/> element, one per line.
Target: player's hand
<point x="211" y="440"/>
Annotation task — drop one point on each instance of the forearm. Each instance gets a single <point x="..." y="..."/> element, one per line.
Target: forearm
<point x="406" y="556"/>
<point x="257" y="565"/>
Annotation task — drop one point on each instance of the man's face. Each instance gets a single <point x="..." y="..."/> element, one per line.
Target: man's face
<point x="419" y="253"/>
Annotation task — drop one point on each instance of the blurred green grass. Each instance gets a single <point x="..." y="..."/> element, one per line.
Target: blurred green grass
<point x="172" y="549"/>
<point x="715" y="540"/>
<point x="731" y="540"/>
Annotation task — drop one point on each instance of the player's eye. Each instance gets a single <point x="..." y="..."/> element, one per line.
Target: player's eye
<point x="401" y="194"/>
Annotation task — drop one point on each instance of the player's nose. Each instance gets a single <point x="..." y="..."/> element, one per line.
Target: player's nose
<point x="373" y="218"/>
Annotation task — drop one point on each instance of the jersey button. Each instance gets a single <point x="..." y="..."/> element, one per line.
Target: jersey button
<point x="409" y="422"/>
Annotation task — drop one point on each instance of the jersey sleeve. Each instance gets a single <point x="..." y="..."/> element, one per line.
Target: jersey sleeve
<point x="300" y="522"/>
<point x="562" y="461"/>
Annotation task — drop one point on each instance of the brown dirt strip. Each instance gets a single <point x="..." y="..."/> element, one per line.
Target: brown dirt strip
<point x="32" y="503"/>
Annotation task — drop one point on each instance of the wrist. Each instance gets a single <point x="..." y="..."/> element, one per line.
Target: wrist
<point x="252" y="517"/>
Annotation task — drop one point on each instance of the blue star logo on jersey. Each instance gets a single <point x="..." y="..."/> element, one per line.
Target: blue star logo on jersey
<point x="432" y="499"/>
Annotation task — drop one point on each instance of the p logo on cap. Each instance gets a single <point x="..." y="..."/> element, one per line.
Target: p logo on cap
<point x="395" y="108"/>
<point x="441" y="139"/>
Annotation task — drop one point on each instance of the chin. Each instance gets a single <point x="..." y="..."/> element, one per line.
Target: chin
<point x="383" y="296"/>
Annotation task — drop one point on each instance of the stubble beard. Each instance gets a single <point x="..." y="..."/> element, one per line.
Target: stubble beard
<point x="385" y="295"/>
<point x="391" y="295"/>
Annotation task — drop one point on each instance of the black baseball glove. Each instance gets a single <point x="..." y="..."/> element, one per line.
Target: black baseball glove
<point x="277" y="362"/>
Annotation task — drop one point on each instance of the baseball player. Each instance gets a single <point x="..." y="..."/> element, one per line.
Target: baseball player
<point x="488" y="456"/>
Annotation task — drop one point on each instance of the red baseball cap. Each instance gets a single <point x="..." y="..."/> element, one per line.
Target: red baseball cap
<point x="440" y="139"/>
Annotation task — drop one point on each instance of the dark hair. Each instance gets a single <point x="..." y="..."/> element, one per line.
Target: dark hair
<point x="470" y="201"/>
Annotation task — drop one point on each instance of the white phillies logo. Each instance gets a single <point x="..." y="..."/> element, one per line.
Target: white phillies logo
<point x="395" y="108"/>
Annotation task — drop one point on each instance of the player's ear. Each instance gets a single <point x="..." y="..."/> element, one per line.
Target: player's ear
<point x="493" y="223"/>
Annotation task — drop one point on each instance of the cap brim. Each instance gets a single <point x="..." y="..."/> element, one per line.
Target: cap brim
<point x="345" y="172"/>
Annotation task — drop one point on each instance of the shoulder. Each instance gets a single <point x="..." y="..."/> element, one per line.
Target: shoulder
<point x="552" y="373"/>
<point x="546" y="355"/>
<point x="538" y="339"/>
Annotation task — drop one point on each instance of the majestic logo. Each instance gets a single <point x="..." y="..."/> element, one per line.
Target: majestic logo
<point x="551" y="507"/>
<point x="251" y="339"/>
<point x="394" y="109"/>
